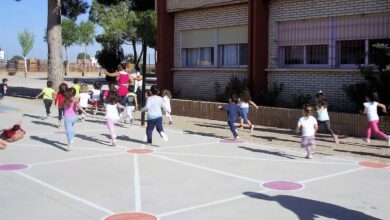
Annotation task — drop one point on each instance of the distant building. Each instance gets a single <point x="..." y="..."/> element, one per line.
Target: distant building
<point x="306" y="45"/>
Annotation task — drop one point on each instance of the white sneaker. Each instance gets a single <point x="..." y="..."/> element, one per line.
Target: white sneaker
<point x="252" y="127"/>
<point x="309" y="156"/>
<point x="236" y="138"/>
<point x="164" y="136"/>
<point x="367" y="140"/>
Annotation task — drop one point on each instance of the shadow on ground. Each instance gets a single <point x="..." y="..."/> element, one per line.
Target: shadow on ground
<point x="23" y="92"/>
<point x="276" y="153"/>
<point x="307" y="209"/>
<point x="204" y="134"/>
<point x="55" y="144"/>
<point x="364" y="153"/>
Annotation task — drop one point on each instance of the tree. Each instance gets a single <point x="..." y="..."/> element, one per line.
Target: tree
<point x="86" y="36"/>
<point x="16" y="57"/>
<point x="69" y="28"/>
<point x="26" y="40"/>
<point x="120" y="20"/>
<point x="70" y="9"/>
<point x="81" y="56"/>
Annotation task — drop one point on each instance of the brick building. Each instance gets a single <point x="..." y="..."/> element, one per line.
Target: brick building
<point x="306" y="45"/>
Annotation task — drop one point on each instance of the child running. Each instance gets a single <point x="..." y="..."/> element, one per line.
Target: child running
<point x="371" y="109"/>
<point x="76" y="86"/>
<point x="323" y="116"/>
<point x="166" y="94"/>
<point x="131" y="105"/>
<point x="233" y="111"/>
<point x="96" y="93"/>
<point x="71" y="105"/>
<point x="59" y="102"/>
<point x="85" y="97"/>
<point x="48" y="96"/>
<point x="308" y="125"/>
<point x="3" y="88"/>
<point x="112" y="114"/>
<point x="153" y="106"/>
<point x="245" y="101"/>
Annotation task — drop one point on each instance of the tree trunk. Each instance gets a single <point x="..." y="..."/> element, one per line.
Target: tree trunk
<point x="54" y="43"/>
<point x="85" y="55"/>
<point x="67" y="62"/>
<point x="134" y="44"/>
<point x="25" y="67"/>
<point x="139" y="58"/>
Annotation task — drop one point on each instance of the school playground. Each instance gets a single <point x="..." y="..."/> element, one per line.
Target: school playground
<point x="190" y="177"/>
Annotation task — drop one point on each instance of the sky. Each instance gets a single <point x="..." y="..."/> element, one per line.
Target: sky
<point x="15" y="17"/>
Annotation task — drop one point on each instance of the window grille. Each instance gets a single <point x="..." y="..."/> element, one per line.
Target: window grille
<point x="331" y="42"/>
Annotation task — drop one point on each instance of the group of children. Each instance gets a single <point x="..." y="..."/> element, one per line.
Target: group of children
<point x="117" y="102"/>
<point x="307" y="124"/>
<point x="122" y="101"/>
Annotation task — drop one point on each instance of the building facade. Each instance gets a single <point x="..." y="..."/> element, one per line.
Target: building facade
<point x="306" y="45"/>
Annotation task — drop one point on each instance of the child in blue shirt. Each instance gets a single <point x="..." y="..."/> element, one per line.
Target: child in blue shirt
<point x="233" y="111"/>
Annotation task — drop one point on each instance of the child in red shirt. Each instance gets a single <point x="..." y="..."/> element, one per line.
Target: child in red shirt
<point x="59" y="102"/>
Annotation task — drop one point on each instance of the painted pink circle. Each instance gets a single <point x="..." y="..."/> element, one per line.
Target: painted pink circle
<point x="283" y="185"/>
<point x="140" y="151"/>
<point x="13" y="166"/>
<point x="231" y="141"/>
<point x="131" y="216"/>
<point x="374" y="164"/>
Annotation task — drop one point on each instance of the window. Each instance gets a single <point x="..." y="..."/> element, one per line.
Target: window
<point x="331" y="42"/>
<point x="304" y="55"/>
<point x="293" y="55"/>
<point x="233" y="55"/>
<point x="317" y="54"/>
<point x="198" y="57"/>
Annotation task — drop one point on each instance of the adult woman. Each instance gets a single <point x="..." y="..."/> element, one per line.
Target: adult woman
<point x="123" y="80"/>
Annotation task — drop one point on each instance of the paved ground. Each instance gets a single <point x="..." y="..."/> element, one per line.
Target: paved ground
<point x="198" y="174"/>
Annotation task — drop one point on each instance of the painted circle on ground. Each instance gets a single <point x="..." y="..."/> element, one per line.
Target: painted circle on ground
<point x="131" y="216"/>
<point x="140" y="151"/>
<point x="231" y="141"/>
<point x="283" y="185"/>
<point x="13" y="166"/>
<point x="373" y="164"/>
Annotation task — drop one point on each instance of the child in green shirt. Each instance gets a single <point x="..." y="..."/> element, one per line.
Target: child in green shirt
<point x="48" y="96"/>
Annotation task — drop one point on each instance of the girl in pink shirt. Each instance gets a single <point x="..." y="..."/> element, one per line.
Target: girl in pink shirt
<point x="70" y="114"/>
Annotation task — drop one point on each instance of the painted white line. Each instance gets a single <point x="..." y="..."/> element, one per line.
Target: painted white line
<point x="137" y="185"/>
<point x="51" y="147"/>
<point x="333" y="175"/>
<point x="185" y="146"/>
<point x="77" y="158"/>
<point x="72" y="196"/>
<point x="253" y="158"/>
<point x="207" y="204"/>
<point x="208" y="169"/>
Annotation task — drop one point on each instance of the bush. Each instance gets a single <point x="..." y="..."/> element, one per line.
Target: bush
<point x="376" y="76"/>
<point x="270" y="96"/>
<point x="235" y="86"/>
<point x="298" y="100"/>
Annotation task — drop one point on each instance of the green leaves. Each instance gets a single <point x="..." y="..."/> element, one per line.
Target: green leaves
<point x="26" y="40"/>
<point x="69" y="28"/>
<point x="86" y="33"/>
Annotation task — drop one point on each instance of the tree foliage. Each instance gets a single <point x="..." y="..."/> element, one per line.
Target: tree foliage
<point x="120" y="21"/>
<point x="377" y="77"/>
<point x="85" y="33"/>
<point x="26" y="40"/>
<point x="69" y="28"/>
